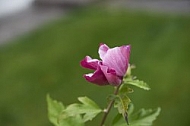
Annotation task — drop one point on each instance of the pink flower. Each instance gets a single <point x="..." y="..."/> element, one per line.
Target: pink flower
<point x="111" y="68"/>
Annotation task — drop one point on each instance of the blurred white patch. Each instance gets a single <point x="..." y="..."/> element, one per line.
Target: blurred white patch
<point x="12" y="6"/>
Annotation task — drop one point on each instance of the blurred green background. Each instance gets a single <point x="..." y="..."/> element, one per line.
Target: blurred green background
<point x="47" y="61"/>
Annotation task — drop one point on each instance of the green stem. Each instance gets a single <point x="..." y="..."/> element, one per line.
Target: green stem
<point x="107" y="110"/>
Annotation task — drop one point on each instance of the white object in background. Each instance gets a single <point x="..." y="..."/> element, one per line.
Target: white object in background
<point x="12" y="6"/>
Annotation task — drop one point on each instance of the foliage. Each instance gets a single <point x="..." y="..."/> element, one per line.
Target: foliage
<point x="144" y="117"/>
<point x="122" y="101"/>
<point x="54" y="110"/>
<point x="79" y="113"/>
<point x="141" y="118"/>
<point x="138" y="83"/>
<point x="74" y="114"/>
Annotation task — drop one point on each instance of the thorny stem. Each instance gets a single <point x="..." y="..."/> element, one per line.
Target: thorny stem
<point x="107" y="110"/>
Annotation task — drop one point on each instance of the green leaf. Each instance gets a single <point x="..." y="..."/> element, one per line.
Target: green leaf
<point x="89" y="109"/>
<point x="121" y="103"/>
<point x="60" y="116"/>
<point x="141" y="118"/>
<point x="54" y="110"/>
<point x="72" y="110"/>
<point x="88" y="102"/>
<point x="144" y="117"/>
<point x="138" y="83"/>
<point x="67" y="120"/>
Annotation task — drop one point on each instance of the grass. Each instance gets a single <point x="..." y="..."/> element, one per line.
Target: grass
<point x="47" y="61"/>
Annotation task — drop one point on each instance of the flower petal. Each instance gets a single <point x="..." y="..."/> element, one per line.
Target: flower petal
<point x="89" y="63"/>
<point x="111" y="76"/>
<point x="97" y="77"/>
<point x="126" y="50"/>
<point x="118" y="59"/>
<point x="102" y="50"/>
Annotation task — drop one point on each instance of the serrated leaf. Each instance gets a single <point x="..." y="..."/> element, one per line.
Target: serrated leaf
<point x="88" y="102"/>
<point x="144" y="117"/>
<point x="89" y="108"/>
<point x="141" y="118"/>
<point x="75" y="120"/>
<point x="73" y="115"/>
<point x="138" y="83"/>
<point x="73" y="109"/>
<point x="54" y="110"/>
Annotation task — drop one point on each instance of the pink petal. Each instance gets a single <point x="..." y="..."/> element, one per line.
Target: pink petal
<point x="126" y="50"/>
<point x="118" y="59"/>
<point x="97" y="77"/>
<point x="111" y="76"/>
<point x="89" y="63"/>
<point x="102" y="50"/>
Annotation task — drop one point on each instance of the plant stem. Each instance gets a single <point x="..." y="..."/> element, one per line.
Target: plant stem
<point x="107" y="110"/>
